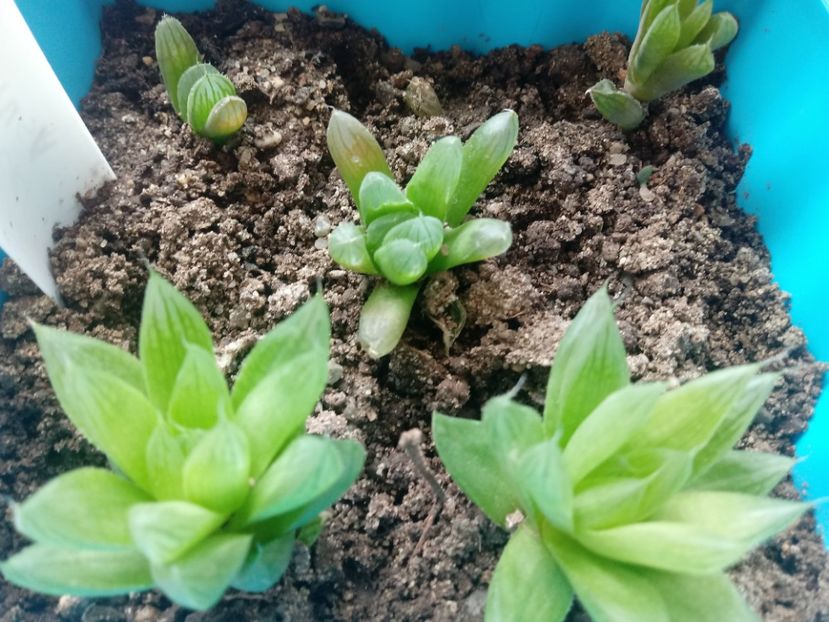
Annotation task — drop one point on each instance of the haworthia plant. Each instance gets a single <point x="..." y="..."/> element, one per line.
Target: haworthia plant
<point x="674" y="46"/>
<point x="203" y="97"/>
<point x="405" y="235"/>
<point x="210" y="487"/>
<point x="628" y="496"/>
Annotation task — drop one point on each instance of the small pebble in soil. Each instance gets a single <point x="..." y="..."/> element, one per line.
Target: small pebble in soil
<point x="421" y="98"/>
<point x="617" y="159"/>
<point x="322" y="226"/>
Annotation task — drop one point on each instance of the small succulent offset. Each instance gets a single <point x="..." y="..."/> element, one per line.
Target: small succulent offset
<point x="405" y="236"/>
<point x="201" y="95"/>
<point x="674" y="46"/>
<point x="210" y="488"/>
<point x="626" y="496"/>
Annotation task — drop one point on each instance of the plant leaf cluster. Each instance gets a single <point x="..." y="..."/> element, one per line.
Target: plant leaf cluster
<point x="674" y="45"/>
<point x="210" y="487"/>
<point x="407" y="234"/>
<point x="633" y="500"/>
<point x="203" y="97"/>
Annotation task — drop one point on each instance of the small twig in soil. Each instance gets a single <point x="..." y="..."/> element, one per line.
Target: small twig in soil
<point x="410" y="443"/>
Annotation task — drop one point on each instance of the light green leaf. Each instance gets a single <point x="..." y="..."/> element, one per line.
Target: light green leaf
<point x="749" y="472"/>
<point x="79" y="572"/>
<point x="475" y="240"/>
<point x="377" y="230"/>
<point x="355" y="151"/>
<point x="169" y="322"/>
<point x="527" y="584"/>
<point x="206" y="93"/>
<point x="379" y="196"/>
<point x="227" y="117"/>
<point x="265" y="565"/>
<point x="693" y="24"/>
<point x="512" y="428"/>
<point x="711" y="598"/>
<point x="401" y="261"/>
<point x="189" y="78"/>
<point x="608" y="591"/>
<point x="659" y="41"/>
<point x="483" y="156"/>
<point x="433" y="183"/>
<point x="347" y="246"/>
<point x="217" y="472"/>
<point x="165" y="457"/>
<point x="676" y="71"/>
<point x="425" y="231"/>
<point x="589" y="365"/>
<point x="384" y="317"/>
<point x="608" y="427"/>
<point x="719" y="32"/>
<point x="176" y="52"/>
<point x="651" y="9"/>
<point x="198" y="579"/>
<point x="200" y="393"/>
<point x="686" y="7"/>
<point x="165" y="530"/>
<point x="543" y="480"/>
<point x="617" y="106"/>
<point x="85" y="508"/>
<point x="466" y="452"/>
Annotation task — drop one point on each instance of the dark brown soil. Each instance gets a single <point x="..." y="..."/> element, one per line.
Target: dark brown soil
<point x="236" y="230"/>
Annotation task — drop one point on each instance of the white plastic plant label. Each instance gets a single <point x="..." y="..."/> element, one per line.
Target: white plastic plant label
<point x="47" y="156"/>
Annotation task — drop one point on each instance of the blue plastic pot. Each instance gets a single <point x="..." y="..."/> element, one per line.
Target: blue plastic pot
<point x="777" y="84"/>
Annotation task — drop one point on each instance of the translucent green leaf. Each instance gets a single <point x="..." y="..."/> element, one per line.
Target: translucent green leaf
<point x="483" y="156"/>
<point x="466" y="452"/>
<point x="657" y="44"/>
<point x="433" y="183"/>
<point x="710" y="598"/>
<point x="384" y="317"/>
<point x="736" y="421"/>
<point x="543" y="479"/>
<point x="354" y="151"/>
<point x="401" y="261"/>
<point x="688" y="417"/>
<point x="377" y="230"/>
<point x="165" y="530"/>
<point x="217" y="472"/>
<point x="227" y="117"/>
<point x="749" y="472"/>
<point x="693" y="24"/>
<point x="617" y="106"/>
<point x="676" y="71"/>
<point x="719" y="32"/>
<point x="169" y="322"/>
<point x="198" y="579"/>
<point x="651" y="9"/>
<point x="475" y="240"/>
<point x="379" y="196"/>
<point x="192" y="75"/>
<point x="265" y="565"/>
<point x="63" y="571"/>
<point x="527" y="584"/>
<point x="206" y="93"/>
<point x="686" y="7"/>
<point x="347" y="246"/>
<point x="589" y="365"/>
<point x="176" y="52"/>
<point x="608" y="591"/>
<point x="425" y="231"/>
<point x="165" y="457"/>
<point x="608" y="427"/>
<point x="85" y="508"/>
<point x="200" y="393"/>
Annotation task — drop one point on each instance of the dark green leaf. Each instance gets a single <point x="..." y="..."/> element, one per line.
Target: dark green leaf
<point x="347" y="246"/>
<point x="749" y="472"/>
<point x="401" y="261"/>
<point x="165" y="530"/>
<point x="384" y="317"/>
<point x="425" y="231"/>
<point x="200" y="393"/>
<point x="377" y="230"/>
<point x="265" y="565"/>
<point x="380" y="195"/>
<point x="433" y="183"/>
<point x="475" y="240"/>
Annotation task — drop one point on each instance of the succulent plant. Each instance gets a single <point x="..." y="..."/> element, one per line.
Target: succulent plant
<point x="404" y="236"/>
<point x="203" y="97"/>
<point x="210" y="488"/>
<point x="674" y="46"/>
<point x="626" y="496"/>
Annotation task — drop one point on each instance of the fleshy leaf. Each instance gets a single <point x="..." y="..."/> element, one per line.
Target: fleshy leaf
<point x="693" y="24"/>
<point x="354" y="150"/>
<point x="513" y="428"/>
<point x="377" y="230"/>
<point x="527" y="584"/>
<point x="84" y="508"/>
<point x="719" y="32"/>
<point x="200" y="392"/>
<point x="425" y="231"/>
<point x="401" y="261"/>
<point x="711" y="598"/>
<point x="475" y="240"/>
<point x="265" y="565"/>
<point x="198" y="579"/>
<point x="227" y="117"/>
<point x="165" y="530"/>
<point x="384" y="317"/>
<point x="169" y="322"/>
<point x="216" y="474"/>
<point x="80" y="572"/>
<point x="433" y="183"/>
<point x="467" y="454"/>
<point x="659" y="41"/>
<point x="380" y="195"/>
<point x="617" y="106"/>
<point x="190" y="77"/>
<point x="608" y="427"/>
<point x="544" y="481"/>
<point x="676" y="71"/>
<point x="176" y="52"/>
<point x="749" y="472"/>
<point x="165" y="457"/>
<point x="204" y="95"/>
<point x="589" y="365"/>
<point x="483" y="155"/>
<point x="347" y="246"/>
